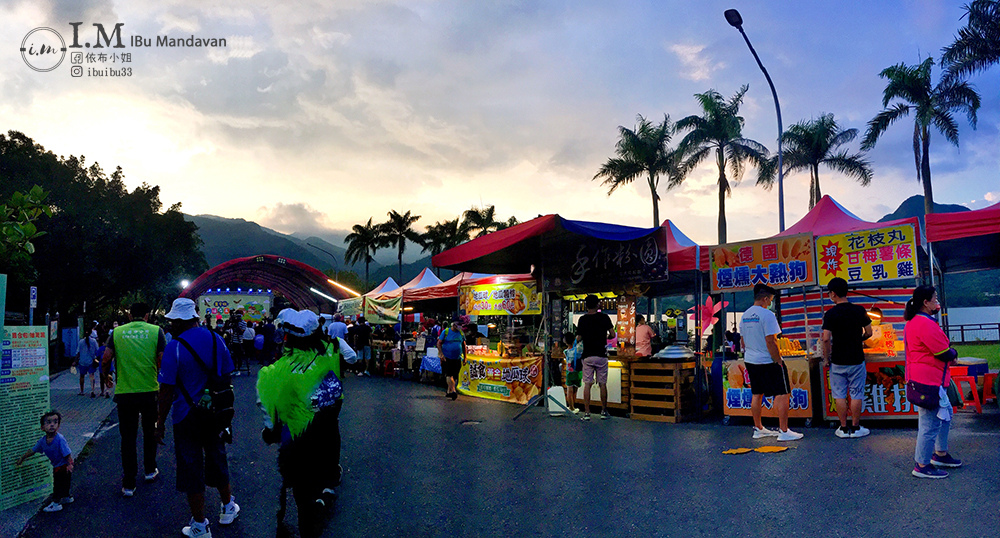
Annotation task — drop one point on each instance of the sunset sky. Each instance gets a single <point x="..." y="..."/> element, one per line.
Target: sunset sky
<point x="314" y="118"/>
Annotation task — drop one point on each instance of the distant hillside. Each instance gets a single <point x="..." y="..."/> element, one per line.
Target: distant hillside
<point x="410" y="271"/>
<point x="225" y="239"/>
<point x="964" y="289"/>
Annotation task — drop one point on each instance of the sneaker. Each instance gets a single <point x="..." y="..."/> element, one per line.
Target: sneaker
<point x="605" y="415"/>
<point x="763" y="432"/>
<point x="329" y="493"/>
<point x="197" y="530"/>
<point x="229" y="512"/>
<point x="860" y="431"/>
<point x="844" y="432"/>
<point x="789" y="435"/>
<point x="927" y="471"/>
<point x="126" y="492"/>
<point x="152" y="476"/>
<point x="52" y="507"/>
<point x="586" y="416"/>
<point x="66" y="500"/>
<point x="945" y="461"/>
<point x="575" y="411"/>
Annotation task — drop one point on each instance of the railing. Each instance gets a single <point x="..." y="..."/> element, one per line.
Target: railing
<point x="970" y="334"/>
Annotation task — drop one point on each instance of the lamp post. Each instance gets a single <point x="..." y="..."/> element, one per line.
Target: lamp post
<point x="336" y="265"/>
<point x="736" y="21"/>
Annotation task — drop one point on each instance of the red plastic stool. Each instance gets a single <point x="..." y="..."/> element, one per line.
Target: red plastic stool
<point x="389" y="368"/>
<point x="988" y="381"/>
<point x="959" y="379"/>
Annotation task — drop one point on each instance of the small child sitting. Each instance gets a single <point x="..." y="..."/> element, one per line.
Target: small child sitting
<point x="54" y="445"/>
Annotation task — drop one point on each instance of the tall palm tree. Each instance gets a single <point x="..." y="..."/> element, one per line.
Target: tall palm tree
<point x="811" y="143"/>
<point x="397" y="231"/>
<point x="644" y="151"/>
<point x="977" y="45"/>
<point x="508" y="223"/>
<point x="481" y="220"/>
<point x="362" y="244"/>
<point x="930" y="105"/>
<point x="719" y="130"/>
<point x="441" y="236"/>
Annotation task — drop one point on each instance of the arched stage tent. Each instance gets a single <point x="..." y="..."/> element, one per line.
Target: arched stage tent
<point x="292" y="279"/>
<point x="966" y="241"/>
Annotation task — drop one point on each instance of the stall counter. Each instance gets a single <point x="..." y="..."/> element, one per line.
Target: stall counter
<point x="737" y="395"/>
<point x="885" y="390"/>
<point x="618" y="385"/>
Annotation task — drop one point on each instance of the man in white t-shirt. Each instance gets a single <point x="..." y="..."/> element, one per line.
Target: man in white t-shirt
<point x="768" y="373"/>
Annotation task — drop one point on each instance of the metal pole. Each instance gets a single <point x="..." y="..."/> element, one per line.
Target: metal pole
<point x="777" y="108"/>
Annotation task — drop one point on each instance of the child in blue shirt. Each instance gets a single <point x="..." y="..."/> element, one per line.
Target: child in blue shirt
<point x="55" y="447"/>
<point x="574" y="369"/>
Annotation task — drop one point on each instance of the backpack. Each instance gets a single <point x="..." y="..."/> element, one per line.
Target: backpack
<point x="216" y="401"/>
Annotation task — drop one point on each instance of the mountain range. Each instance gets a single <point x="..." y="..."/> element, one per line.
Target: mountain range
<point x="224" y="239"/>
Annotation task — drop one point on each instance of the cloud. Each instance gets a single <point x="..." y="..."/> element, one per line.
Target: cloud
<point x="992" y="196"/>
<point x="295" y="217"/>
<point x="698" y="66"/>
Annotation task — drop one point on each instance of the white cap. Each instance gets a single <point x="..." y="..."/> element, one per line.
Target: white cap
<point x="298" y="323"/>
<point x="182" y="309"/>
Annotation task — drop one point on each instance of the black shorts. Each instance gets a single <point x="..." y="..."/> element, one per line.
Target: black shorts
<point x="451" y="367"/>
<point x="201" y="455"/>
<point x="768" y="379"/>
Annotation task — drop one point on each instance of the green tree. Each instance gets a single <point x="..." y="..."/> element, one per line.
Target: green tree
<point x="441" y="236"/>
<point x="642" y="152"/>
<point x="362" y="244"/>
<point x="512" y="221"/>
<point x="396" y="231"/>
<point x="480" y="221"/>
<point x="811" y="143"/>
<point x="977" y="45"/>
<point x="719" y="131"/>
<point x="910" y="86"/>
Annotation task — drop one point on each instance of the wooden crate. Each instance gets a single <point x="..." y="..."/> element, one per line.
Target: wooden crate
<point x="662" y="392"/>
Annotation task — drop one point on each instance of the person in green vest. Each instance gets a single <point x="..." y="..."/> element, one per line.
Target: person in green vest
<point x="301" y="395"/>
<point x="136" y="349"/>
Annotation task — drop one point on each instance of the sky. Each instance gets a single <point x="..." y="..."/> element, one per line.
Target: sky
<point x="319" y="115"/>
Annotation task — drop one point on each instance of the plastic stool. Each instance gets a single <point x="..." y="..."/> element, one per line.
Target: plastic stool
<point x="988" y="381"/>
<point x="959" y="379"/>
<point x="389" y="368"/>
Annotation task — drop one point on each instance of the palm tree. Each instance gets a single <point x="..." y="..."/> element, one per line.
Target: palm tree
<point x="481" y="220"/>
<point x="508" y="223"/>
<point x="362" y="244"/>
<point x="811" y="143"/>
<point x="911" y="86"/>
<point x="720" y="129"/>
<point x="641" y="152"/>
<point x="977" y="45"/>
<point x="441" y="236"/>
<point x="397" y="231"/>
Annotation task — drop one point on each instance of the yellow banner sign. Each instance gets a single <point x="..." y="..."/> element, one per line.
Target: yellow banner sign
<point x="737" y="395"/>
<point x="868" y="256"/>
<point x="513" y="380"/>
<point x="782" y="262"/>
<point x="517" y="298"/>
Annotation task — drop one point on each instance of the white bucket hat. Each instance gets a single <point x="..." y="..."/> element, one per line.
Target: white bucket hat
<point x="298" y="323"/>
<point x="182" y="309"/>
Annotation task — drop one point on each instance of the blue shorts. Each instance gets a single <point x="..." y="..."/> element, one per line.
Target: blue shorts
<point x="92" y="368"/>
<point x="848" y="378"/>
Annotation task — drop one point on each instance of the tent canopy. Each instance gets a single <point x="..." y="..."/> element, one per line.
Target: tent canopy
<point x="425" y="279"/>
<point x="386" y="286"/>
<point x="574" y="254"/>
<point x="966" y="241"/>
<point x="682" y="251"/>
<point x="445" y="290"/>
<point x="829" y="217"/>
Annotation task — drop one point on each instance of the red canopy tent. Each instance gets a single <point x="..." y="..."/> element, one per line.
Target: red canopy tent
<point x="829" y="217"/>
<point x="425" y="279"/>
<point x="966" y="241"/>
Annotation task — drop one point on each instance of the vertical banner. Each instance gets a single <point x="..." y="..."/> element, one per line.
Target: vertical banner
<point x="868" y="256"/>
<point x="626" y="320"/>
<point x="24" y="397"/>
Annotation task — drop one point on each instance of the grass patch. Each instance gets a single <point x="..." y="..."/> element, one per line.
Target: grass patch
<point x="990" y="352"/>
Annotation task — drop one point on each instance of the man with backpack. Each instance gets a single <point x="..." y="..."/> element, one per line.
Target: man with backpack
<point x="194" y="381"/>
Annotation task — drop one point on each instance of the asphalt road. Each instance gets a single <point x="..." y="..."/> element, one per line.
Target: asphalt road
<point x="415" y="466"/>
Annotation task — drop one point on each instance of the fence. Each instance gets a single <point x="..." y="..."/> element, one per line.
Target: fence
<point x="980" y="332"/>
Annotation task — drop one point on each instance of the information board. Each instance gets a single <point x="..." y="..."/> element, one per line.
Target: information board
<point x="516" y="298"/>
<point x="24" y="397"/>
<point x="868" y="256"/>
<point x="782" y="262"/>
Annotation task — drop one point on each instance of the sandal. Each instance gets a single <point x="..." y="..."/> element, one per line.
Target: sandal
<point x="80" y="393"/>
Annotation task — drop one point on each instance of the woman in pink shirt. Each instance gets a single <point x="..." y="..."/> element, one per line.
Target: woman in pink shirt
<point x="928" y="353"/>
<point x="643" y="337"/>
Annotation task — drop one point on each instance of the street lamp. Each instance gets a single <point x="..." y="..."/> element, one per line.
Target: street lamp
<point x="185" y="283"/>
<point x="336" y="265"/>
<point x="736" y="21"/>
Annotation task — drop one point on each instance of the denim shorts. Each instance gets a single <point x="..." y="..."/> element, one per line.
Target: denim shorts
<point x="848" y="378"/>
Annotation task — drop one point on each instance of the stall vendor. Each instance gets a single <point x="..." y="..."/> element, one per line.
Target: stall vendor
<point x="643" y="337"/>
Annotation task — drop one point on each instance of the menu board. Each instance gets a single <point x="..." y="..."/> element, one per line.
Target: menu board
<point x="24" y="397"/>
<point x="626" y="319"/>
<point x="868" y="256"/>
<point x="516" y="298"/>
<point x="781" y="262"/>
